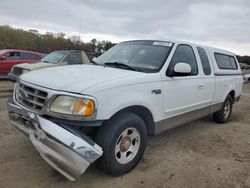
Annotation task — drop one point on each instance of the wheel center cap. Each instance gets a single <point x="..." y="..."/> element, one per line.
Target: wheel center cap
<point x="125" y="144"/>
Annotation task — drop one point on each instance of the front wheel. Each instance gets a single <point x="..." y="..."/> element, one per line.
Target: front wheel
<point x="123" y="140"/>
<point x="223" y="115"/>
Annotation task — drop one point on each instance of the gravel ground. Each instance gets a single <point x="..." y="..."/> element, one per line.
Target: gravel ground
<point x="198" y="154"/>
<point x="6" y="84"/>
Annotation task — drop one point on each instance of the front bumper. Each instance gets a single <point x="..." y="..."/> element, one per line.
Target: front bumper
<point x="13" y="77"/>
<point x="68" y="153"/>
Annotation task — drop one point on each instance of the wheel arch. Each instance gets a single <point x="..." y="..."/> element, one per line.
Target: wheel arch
<point x="232" y="94"/>
<point x="143" y="113"/>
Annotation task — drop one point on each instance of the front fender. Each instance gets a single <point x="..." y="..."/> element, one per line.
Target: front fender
<point x="114" y="100"/>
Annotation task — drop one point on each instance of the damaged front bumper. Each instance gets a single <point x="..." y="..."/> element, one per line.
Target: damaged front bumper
<point x="66" y="151"/>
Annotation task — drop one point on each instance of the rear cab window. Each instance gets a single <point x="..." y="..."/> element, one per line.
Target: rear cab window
<point x="204" y="60"/>
<point x="225" y="61"/>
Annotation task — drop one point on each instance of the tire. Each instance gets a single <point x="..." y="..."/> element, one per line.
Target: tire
<point x="223" y="115"/>
<point x="118" y="137"/>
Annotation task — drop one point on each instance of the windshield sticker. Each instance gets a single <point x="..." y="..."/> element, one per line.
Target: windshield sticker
<point x="168" y="44"/>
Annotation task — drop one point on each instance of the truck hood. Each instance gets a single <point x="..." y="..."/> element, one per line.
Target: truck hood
<point x="75" y="78"/>
<point x="34" y="66"/>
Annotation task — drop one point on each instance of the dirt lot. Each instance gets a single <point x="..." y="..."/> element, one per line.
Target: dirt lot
<point x="6" y="84"/>
<point x="198" y="154"/>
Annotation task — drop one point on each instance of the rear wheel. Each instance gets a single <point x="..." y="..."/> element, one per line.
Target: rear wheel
<point x="223" y="115"/>
<point x="123" y="140"/>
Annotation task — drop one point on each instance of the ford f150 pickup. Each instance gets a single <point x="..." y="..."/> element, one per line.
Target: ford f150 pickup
<point x="104" y="112"/>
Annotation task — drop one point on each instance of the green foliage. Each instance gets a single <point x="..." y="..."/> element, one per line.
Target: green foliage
<point x="244" y="59"/>
<point x="11" y="38"/>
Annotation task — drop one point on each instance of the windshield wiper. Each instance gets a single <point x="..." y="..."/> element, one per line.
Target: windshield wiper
<point x="117" y="64"/>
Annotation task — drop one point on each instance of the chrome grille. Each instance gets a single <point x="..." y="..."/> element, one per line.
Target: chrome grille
<point x="30" y="97"/>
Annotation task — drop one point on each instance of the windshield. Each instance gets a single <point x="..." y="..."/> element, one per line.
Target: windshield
<point x="53" y="57"/>
<point x="146" y="56"/>
<point x="2" y="51"/>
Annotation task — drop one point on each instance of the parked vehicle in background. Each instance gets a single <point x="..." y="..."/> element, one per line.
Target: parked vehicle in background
<point x="247" y="66"/>
<point x="242" y="65"/>
<point x="246" y="78"/>
<point x="9" y="58"/>
<point x="57" y="58"/>
<point x="77" y="114"/>
<point x="92" y="55"/>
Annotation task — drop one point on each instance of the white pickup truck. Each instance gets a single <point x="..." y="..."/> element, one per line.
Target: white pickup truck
<point x="74" y="115"/>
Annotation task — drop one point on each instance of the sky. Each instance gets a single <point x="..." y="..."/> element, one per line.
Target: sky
<point x="219" y="23"/>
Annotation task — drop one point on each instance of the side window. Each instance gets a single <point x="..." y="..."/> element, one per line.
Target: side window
<point x="13" y="55"/>
<point x="184" y="54"/>
<point x="204" y="61"/>
<point x="28" y="56"/>
<point x="234" y="65"/>
<point x="74" y="59"/>
<point x="90" y="56"/>
<point x="225" y="61"/>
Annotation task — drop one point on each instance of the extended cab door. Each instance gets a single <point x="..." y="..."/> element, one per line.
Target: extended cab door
<point x="183" y="94"/>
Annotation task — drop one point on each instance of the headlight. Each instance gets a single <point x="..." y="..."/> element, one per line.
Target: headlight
<point x="73" y="106"/>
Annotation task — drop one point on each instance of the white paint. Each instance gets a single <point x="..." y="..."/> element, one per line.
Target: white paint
<point x="115" y="89"/>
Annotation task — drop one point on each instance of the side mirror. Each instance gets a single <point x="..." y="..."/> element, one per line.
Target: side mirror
<point x="180" y="69"/>
<point x="2" y="57"/>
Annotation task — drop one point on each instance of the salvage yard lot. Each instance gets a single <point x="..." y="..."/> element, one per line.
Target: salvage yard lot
<point x="198" y="154"/>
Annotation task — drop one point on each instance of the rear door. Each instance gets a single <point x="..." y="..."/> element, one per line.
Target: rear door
<point x="208" y="78"/>
<point x="27" y="57"/>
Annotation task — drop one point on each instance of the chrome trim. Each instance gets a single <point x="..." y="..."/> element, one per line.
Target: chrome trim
<point x="33" y="94"/>
<point x="68" y="153"/>
<point x="52" y="94"/>
<point x="30" y="97"/>
<point x="70" y="140"/>
<point x="228" y="74"/>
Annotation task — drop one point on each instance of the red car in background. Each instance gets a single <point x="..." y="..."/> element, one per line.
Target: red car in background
<point x="9" y="58"/>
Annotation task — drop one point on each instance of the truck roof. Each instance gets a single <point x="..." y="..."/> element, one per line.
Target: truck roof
<point x="69" y="51"/>
<point x="20" y="51"/>
<point x="214" y="49"/>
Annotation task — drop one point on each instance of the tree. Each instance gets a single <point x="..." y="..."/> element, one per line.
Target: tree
<point x="48" y="42"/>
